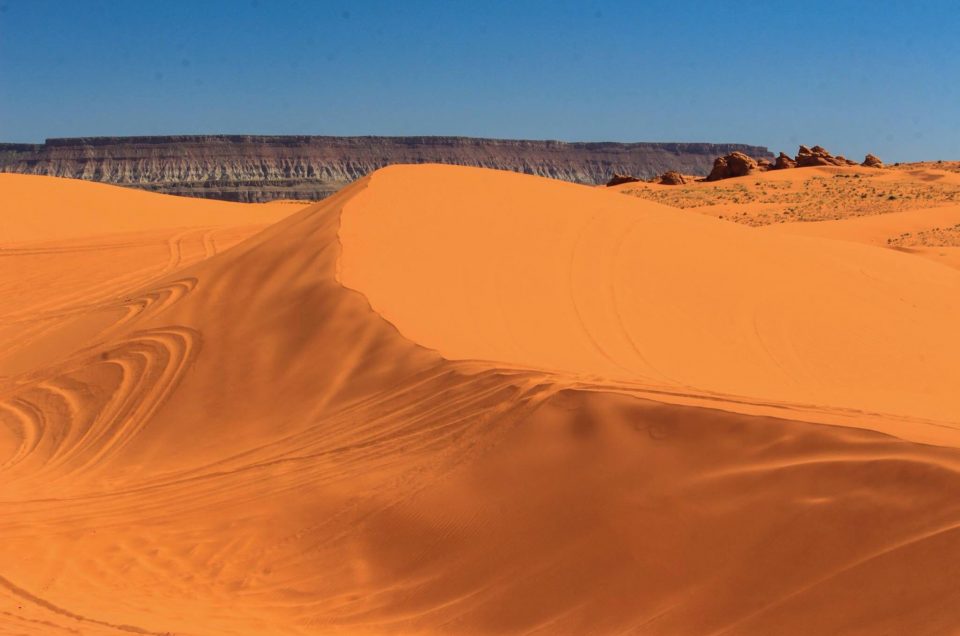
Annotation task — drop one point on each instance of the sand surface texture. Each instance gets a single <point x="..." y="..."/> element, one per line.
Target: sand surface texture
<point x="459" y="401"/>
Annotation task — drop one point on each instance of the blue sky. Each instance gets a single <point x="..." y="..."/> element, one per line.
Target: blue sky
<point x="856" y="77"/>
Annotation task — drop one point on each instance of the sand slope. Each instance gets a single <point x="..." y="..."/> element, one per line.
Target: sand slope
<point x="71" y="251"/>
<point x="601" y="286"/>
<point x="479" y="434"/>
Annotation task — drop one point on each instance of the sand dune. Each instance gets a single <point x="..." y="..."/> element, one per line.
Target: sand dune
<point x="933" y="233"/>
<point x="450" y="400"/>
<point x="604" y="287"/>
<point x="71" y="251"/>
<point x="49" y="208"/>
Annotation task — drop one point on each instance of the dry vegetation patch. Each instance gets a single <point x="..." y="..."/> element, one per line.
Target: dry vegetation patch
<point x="946" y="166"/>
<point x="816" y="198"/>
<point x="935" y="237"/>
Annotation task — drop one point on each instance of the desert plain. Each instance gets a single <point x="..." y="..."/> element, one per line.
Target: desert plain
<point x="452" y="400"/>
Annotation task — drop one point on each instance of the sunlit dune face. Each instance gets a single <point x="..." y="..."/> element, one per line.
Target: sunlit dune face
<point x="603" y="287"/>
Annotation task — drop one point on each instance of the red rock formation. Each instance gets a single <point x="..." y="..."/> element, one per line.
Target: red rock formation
<point x="736" y="164"/>
<point x="818" y="156"/>
<point x="618" y="179"/>
<point x="672" y="177"/>
<point x="784" y="162"/>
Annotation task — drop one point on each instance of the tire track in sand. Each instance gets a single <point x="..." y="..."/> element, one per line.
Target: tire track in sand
<point x="56" y="609"/>
<point x="148" y="366"/>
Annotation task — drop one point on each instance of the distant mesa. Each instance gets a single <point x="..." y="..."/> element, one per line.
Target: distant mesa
<point x="254" y="168"/>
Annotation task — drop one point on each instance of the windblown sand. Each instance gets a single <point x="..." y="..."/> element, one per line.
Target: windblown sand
<point x="460" y="401"/>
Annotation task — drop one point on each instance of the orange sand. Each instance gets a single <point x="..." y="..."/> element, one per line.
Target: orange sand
<point x="451" y="400"/>
<point x="563" y="278"/>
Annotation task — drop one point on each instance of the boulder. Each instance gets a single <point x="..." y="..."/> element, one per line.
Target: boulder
<point x="617" y="179"/>
<point x="872" y="161"/>
<point x="816" y="156"/>
<point x="672" y="177"/>
<point x="784" y="162"/>
<point x="819" y="156"/>
<point x="736" y="164"/>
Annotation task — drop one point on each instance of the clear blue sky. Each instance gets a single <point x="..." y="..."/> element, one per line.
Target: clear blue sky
<point x="878" y="76"/>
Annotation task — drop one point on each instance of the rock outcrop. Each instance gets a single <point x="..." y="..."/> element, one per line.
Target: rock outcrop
<point x="620" y="179"/>
<point x="784" y="162"/>
<point x="672" y="177"/>
<point x="818" y="156"/>
<point x="261" y="168"/>
<point x="738" y="164"/>
<point x="735" y="164"/>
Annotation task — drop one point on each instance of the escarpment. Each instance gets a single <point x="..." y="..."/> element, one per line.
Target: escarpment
<point x="261" y="168"/>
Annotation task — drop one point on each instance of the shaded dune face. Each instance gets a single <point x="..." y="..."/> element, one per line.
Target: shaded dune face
<point x="243" y="445"/>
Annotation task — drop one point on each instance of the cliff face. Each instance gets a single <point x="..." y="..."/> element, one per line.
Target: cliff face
<point x="261" y="168"/>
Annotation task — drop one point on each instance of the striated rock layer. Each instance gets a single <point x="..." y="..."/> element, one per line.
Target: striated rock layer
<point x="261" y="168"/>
